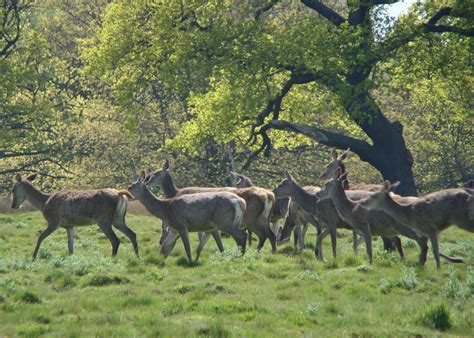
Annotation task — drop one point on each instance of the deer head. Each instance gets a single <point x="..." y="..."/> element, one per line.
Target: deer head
<point x="286" y="186"/>
<point x="335" y="163"/>
<point x="18" y="190"/>
<point x="137" y="188"/>
<point x="331" y="186"/>
<point x="157" y="178"/>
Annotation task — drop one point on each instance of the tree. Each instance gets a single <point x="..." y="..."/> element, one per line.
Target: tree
<point x="244" y="62"/>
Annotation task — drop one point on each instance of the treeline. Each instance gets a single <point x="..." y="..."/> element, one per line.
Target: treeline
<point x="92" y="91"/>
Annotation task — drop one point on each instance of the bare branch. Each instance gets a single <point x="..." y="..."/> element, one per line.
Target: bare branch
<point x="325" y="11"/>
<point x="4" y="154"/>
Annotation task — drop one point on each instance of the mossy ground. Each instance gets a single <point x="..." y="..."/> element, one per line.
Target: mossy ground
<point x="259" y="295"/>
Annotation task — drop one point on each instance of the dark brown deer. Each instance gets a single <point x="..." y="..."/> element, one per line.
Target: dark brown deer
<point x="323" y="210"/>
<point x="71" y="208"/>
<point x="430" y="214"/>
<point x="259" y="202"/>
<point x="201" y="212"/>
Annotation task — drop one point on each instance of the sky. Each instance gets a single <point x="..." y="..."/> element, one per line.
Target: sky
<point x="399" y="8"/>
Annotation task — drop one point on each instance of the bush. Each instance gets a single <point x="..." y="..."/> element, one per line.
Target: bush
<point x="106" y="280"/>
<point x="30" y="297"/>
<point x="437" y="317"/>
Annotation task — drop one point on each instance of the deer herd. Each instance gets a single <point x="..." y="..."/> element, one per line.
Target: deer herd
<point x="366" y="210"/>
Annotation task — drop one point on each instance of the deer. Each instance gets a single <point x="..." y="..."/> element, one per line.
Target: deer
<point x="363" y="221"/>
<point x="338" y="162"/>
<point x="278" y="208"/>
<point x="257" y="213"/>
<point x="199" y="212"/>
<point x="293" y="215"/>
<point x="71" y="208"/>
<point x="323" y="210"/>
<point x="429" y="214"/>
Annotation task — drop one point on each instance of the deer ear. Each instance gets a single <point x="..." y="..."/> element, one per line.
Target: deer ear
<point x="343" y="156"/>
<point x="32" y="177"/>
<point x="288" y="176"/>
<point x="343" y="176"/>
<point x="337" y="173"/>
<point x="166" y="165"/>
<point x="142" y="176"/>
<point x="334" y="154"/>
<point x="18" y="177"/>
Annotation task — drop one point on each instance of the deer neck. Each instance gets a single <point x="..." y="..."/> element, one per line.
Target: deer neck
<point x="168" y="187"/>
<point x="153" y="204"/>
<point x="399" y="212"/>
<point x="342" y="203"/>
<point x="303" y="198"/>
<point x="36" y="197"/>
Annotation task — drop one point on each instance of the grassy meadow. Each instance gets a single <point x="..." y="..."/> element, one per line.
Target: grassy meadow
<point x="225" y="295"/>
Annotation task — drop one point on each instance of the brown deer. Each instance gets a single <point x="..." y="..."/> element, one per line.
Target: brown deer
<point x="323" y="210"/>
<point x="70" y="208"/>
<point x="201" y="212"/>
<point x="337" y="162"/>
<point x="259" y="202"/>
<point x="363" y="221"/>
<point x="294" y="216"/>
<point x="430" y="214"/>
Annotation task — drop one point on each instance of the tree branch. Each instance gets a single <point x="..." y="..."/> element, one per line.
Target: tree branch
<point x="324" y="11"/>
<point x="328" y="138"/>
<point x="3" y="154"/>
<point x="431" y="25"/>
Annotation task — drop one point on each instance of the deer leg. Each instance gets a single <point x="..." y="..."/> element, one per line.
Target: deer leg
<point x="333" y="234"/>
<point x="303" y="234"/>
<point x="368" y="241"/>
<point x="48" y="231"/>
<point x="423" y="244"/>
<point x="203" y="238"/>
<point x="218" y="239"/>
<point x="122" y="227"/>
<point x="355" y="242"/>
<point x="319" y="244"/>
<point x="387" y="244"/>
<point x="70" y="239"/>
<point x="261" y="241"/>
<point x="240" y="238"/>
<point x="183" y="233"/>
<point x="299" y="238"/>
<point x="249" y="236"/>
<point x="398" y="244"/>
<point x="270" y="235"/>
<point x="107" y="230"/>
<point x="169" y="243"/>
<point x="435" y="245"/>
<point x="164" y="233"/>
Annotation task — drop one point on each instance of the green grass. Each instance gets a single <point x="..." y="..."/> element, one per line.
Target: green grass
<point x="225" y="295"/>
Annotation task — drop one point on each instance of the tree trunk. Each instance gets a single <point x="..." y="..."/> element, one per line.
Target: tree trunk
<point x="388" y="153"/>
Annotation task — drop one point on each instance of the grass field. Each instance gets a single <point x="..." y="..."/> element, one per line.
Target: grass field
<point x="259" y="295"/>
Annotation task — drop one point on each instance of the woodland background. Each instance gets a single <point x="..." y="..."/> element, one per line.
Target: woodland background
<point x="92" y="90"/>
